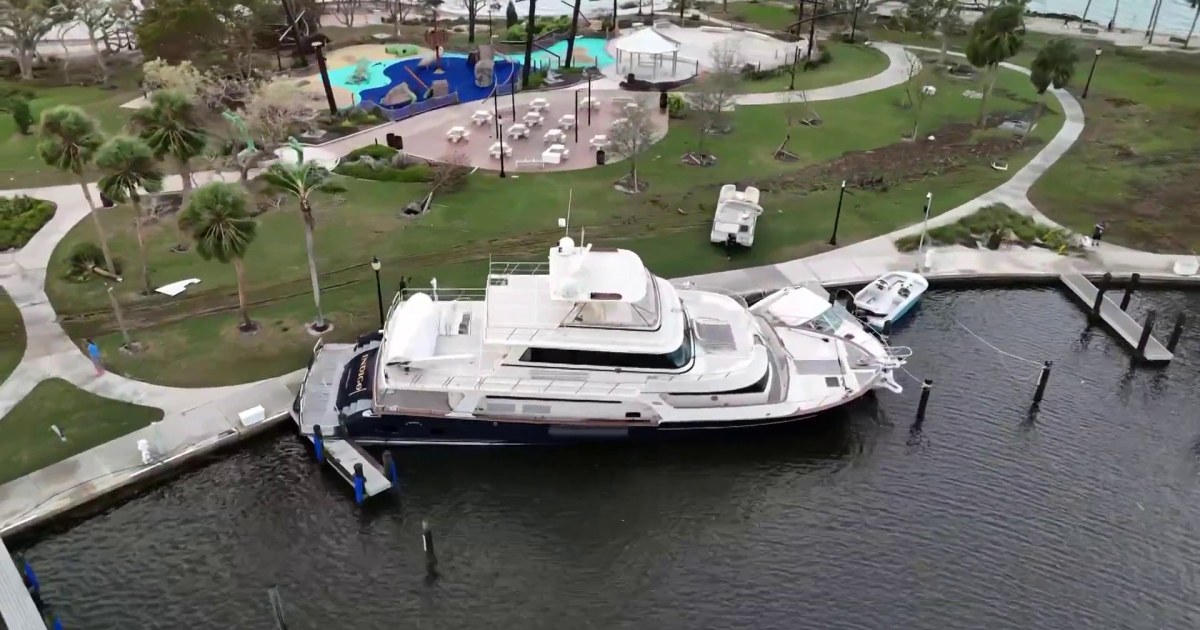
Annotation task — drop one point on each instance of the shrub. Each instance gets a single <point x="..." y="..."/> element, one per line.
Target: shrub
<point x="22" y="114"/>
<point x="537" y="78"/>
<point x="359" y="170"/>
<point x="377" y="151"/>
<point x="676" y="106"/>
<point x="83" y="257"/>
<point x="20" y="218"/>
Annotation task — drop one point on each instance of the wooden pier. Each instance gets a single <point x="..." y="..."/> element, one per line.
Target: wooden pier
<point x="1126" y="328"/>
<point x="17" y="610"/>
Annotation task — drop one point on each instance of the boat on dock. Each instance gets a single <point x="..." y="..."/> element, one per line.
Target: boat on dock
<point x="889" y="298"/>
<point x="591" y="346"/>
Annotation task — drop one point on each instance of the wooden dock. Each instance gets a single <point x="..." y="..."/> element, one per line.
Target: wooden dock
<point x="17" y="609"/>
<point x="1126" y="328"/>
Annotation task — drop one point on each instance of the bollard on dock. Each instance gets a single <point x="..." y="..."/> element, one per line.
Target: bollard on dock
<point x="1129" y="289"/>
<point x="1147" y="329"/>
<point x="318" y="444"/>
<point x="1041" y="384"/>
<point x="1176" y="332"/>
<point x="926" y="387"/>
<point x="427" y="543"/>
<point x="57" y="625"/>
<point x="31" y="579"/>
<point x="389" y="469"/>
<point x="887" y="329"/>
<point x="360" y="484"/>
<point x="1101" y="288"/>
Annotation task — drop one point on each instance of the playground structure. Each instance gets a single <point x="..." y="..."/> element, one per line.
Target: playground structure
<point x="666" y="53"/>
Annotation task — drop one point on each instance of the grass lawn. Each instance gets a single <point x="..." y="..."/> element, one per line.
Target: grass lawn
<point x="20" y="166"/>
<point x="768" y="16"/>
<point x="12" y="336"/>
<point x="850" y="63"/>
<point x="515" y="219"/>
<point x="27" y="443"/>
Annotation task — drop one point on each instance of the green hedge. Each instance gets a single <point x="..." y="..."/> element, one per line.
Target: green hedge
<point x="377" y="151"/>
<point x="415" y="173"/>
<point x="20" y="218"/>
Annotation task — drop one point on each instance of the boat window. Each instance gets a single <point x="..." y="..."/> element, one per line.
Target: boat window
<point x="829" y="320"/>
<point x="678" y="359"/>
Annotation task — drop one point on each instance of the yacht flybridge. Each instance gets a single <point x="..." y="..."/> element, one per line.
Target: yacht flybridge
<point x="592" y="346"/>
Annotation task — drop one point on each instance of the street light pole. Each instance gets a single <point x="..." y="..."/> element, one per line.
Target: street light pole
<point x="812" y="33"/>
<point x="589" y="100"/>
<point x="502" y="173"/>
<point x="837" y="218"/>
<point x="795" y="56"/>
<point x="496" y="108"/>
<point x="1088" y="85"/>
<point x="925" y="224"/>
<point x="576" y="125"/>
<point x="120" y="317"/>
<point x="376" y="266"/>
<point x="854" y="20"/>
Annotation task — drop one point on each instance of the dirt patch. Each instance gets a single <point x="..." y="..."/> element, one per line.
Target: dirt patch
<point x="953" y="148"/>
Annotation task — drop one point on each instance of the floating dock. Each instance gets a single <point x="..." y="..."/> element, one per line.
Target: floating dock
<point x="17" y="609"/>
<point x="1126" y="328"/>
<point x="318" y="395"/>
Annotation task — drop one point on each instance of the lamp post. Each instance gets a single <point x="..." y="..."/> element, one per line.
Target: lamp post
<point x="576" y="125"/>
<point x="376" y="266"/>
<point x="925" y="224"/>
<point x="116" y="306"/>
<point x="502" y="173"/>
<point x="837" y="218"/>
<point x="812" y="34"/>
<point x="854" y="20"/>
<point x="496" y="108"/>
<point x="589" y="99"/>
<point x="1088" y="85"/>
<point x="512" y="97"/>
<point x="318" y="48"/>
<point x="495" y="6"/>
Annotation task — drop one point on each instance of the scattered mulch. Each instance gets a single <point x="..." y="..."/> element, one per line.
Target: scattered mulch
<point x="695" y="158"/>
<point x="625" y="185"/>
<point x="879" y="169"/>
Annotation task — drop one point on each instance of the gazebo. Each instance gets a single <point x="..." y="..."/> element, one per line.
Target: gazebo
<point x="647" y="47"/>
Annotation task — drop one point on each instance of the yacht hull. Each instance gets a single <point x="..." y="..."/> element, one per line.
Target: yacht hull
<point x="446" y="431"/>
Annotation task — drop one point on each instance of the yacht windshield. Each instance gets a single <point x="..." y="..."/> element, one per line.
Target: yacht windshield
<point x="829" y="320"/>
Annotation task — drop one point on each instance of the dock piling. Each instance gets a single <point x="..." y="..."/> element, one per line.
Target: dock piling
<point x="926" y="387"/>
<point x="31" y="579"/>
<point x="360" y="484"/>
<point x="1041" y="384"/>
<point x="389" y="469"/>
<point x="57" y="625"/>
<point x="1101" y="288"/>
<point x="1177" y="332"/>
<point x="887" y="329"/>
<point x="318" y="443"/>
<point x="1129" y="289"/>
<point x="427" y="543"/>
<point x="1147" y="329"/>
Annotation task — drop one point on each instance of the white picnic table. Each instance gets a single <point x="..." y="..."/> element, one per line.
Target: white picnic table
<point x="619" y="102"/>
<point x="517" y="131"/>
<point x="632" y="107"/>
<point x="592" y="102"/>
<point x="539" y="104"/>
<point x="599" y="142"/>
<point x="567" y="121"/>
<point x="555" y="154"/>
<point x="481" y="117"/>
<point x="533" y="119"/>
<point x="554" y="136"/>
<point x="457" y="134"/>
<point x="495" y="149"/>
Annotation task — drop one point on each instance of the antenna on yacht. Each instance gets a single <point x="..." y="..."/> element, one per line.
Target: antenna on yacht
<point x="583" y="237"/>
<point x="433" y="283"/>
<point x="565" y="224"/>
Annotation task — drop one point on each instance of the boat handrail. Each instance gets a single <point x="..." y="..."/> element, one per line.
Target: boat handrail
<point x="503" y="269"/>
<point x="448" y="294"/>
<point x="308" y="372"/>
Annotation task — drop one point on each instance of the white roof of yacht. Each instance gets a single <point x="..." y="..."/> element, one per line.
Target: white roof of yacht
<point x="584" y="274"/>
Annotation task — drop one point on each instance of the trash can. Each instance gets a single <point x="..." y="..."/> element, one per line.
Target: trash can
<point x="600" y="157"/>
<point x="395" y="141"/>
<point x="105" y="201"/>
<point x="662" y="102"/>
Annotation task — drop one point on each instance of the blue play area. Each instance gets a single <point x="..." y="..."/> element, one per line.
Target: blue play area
<point x="460" y="77"/>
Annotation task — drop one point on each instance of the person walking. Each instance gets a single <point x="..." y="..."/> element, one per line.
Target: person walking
<point x="93" y="351"/>
<point x="1097" y="234"/>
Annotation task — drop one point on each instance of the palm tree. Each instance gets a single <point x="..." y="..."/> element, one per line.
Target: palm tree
<point x="303" y="181"/>
<point x="1195" y="5"/>
<point x="129" y="167"/>
<point x="1053" y="66"/>
<point x="217" y="220"/>
<point x="170" y="124"/>
<point x="996" y="36"/>
<point x="68" y="140"/>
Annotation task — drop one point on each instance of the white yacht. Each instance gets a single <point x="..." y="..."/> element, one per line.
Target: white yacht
<point x="592" y="346"/>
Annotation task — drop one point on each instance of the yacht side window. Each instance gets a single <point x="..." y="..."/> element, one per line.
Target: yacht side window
<point x="828" y="321"/>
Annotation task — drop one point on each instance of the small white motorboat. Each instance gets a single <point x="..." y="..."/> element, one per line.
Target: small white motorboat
<point x="889" y="298"/>
<point x="736" y="216"/>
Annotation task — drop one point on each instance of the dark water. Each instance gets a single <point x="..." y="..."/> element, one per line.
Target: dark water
<point x="1088" y="517"/>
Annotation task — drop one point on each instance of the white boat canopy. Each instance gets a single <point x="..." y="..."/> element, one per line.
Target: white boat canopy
<point x="412" y="331"/>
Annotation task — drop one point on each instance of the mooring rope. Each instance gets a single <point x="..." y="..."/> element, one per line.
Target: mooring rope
<point x="1002" y="352"/>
